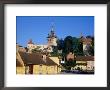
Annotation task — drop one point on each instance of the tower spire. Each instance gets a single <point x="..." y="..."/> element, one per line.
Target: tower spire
<point x="81" y="35"/>
<point x="52" y="38"/>
<point x="52" y="26"/>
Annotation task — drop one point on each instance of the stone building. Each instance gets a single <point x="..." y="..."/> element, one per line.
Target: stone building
<point x="51" y="43"/>
<point x="35" y="63"/>
<point x="52" y="39"/>
<point x="31" y="46"/>
<point x="84" y="62"/>
<point x="87" y="42"/>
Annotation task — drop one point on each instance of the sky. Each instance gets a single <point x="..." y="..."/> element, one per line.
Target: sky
<point x="38" y="27"/>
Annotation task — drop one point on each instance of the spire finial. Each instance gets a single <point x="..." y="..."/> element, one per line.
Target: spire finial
<point x="52" y="26"/>
<point x="81" y="35"/>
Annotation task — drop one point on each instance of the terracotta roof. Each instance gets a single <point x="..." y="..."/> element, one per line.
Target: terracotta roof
<point x="84" y="58"/>
<point x="86" y="40"/>
<point x="36" y="59"/>
<point x="30" y="42"/>
<point x="70" y="56"/>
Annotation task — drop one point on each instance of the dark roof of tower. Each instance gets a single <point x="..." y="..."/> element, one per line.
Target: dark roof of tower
<point x="85" y="40"/>
<point x="30" y="42"/>
<point x="52" y="34"/>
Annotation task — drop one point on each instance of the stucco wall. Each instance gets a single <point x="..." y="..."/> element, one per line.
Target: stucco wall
<point x="90" y="65"/>
<point x="20" y="70"/>
<point x="80" y="66"/>
<point x="37" y="69"/>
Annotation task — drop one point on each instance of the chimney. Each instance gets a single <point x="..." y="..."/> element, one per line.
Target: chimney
<point x="44" y="58"/>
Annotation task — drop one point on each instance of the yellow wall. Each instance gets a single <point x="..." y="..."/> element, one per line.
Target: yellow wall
<point x="20" y="70"/>
<point x="37" y="69"/>
<point x="81" y="61"/>
<point x="90" y="65"/>
<point x="80" y="66"/>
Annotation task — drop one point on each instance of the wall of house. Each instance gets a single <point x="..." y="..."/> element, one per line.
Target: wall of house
<point x="52" y="69"/>
<point x="80" y="66"/>
<point x="18" y="57"/>
<point x="90" y="65"/>
<point x="20" y="70"/>
<point x="84" y="67"/>
<point x="38" y="69"/>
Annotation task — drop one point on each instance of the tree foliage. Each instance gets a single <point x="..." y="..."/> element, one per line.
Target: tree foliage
<point x="74" y="45"/>
<point x="68" y="44"/>
<point x="77" y="47"/>
<point x="60" y="44"/>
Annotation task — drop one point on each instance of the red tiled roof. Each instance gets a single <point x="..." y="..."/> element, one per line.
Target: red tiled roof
<point x="35" y="58"/>
<point x="84" y="58"/>
<point x="30" y="42"/>
<point x="86" y="40"/>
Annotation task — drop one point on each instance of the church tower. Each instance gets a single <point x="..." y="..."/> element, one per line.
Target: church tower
<point x="86" y="44"/>
<point x="52" y="38"/>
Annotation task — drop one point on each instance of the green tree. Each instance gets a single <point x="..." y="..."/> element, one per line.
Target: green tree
<point x="80" y="48"/>
<point x="60" y="44"/>
<point x="77" y="47"/>
<point x="68" y="44"/>
<point x="69" y="64"/>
